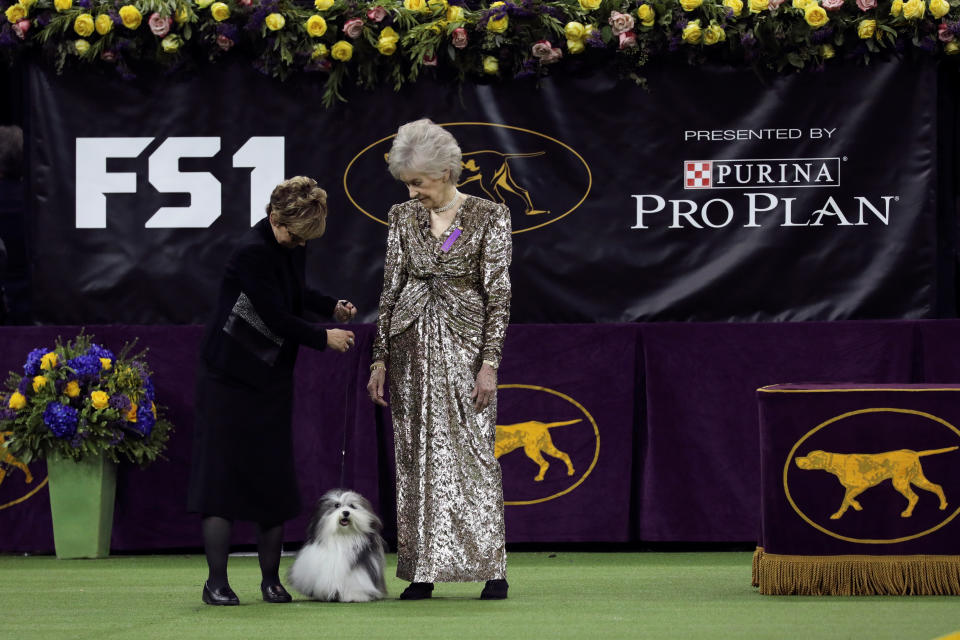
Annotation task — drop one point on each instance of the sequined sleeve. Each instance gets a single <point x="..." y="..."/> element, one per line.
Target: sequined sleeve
<point x="394" y="277"/>
<point x="495" y="268"/>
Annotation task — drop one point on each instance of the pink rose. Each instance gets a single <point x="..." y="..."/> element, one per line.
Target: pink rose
<point x="377" y="14"/>
<point x="831" y="5"/>
<point x="429" y="60"/>
<point x="21" y="27"/>
<point x="224" y="42"/>
<point x="553" y="56"/>
<point x="108" y="56"/>
<point x="866" y="5"/>
<point x="353" y="28"/>
<point x="459" y="37"/>
<point x="245" y="3"/>
<point x="628" y="40"/>
<point x="620" y="22"/>
<point x="159" y="25"/>
<point x="773" y="4"/>
<point x="943" y="32"/>
<point x="541" y="49"/>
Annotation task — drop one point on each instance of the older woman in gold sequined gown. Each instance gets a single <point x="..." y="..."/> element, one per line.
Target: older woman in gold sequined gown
<point x="443" y="315"/>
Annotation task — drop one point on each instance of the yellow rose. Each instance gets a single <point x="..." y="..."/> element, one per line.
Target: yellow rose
<point x="16" y="13"/>
<point x="48" y="361"/>
<point x="27" y="4"/>
<point x="99" y="400"/>
<point x="455" y="14"/>
<point x="896" y="8"/>
<point x="220" y="11"/>
<point x="801" y="4"/>
<point x="171" y="43"/>
<point x="490" y="65"/>
<point x="589" y="5"/>
<point x="319" y="51"/>
<point x="416" y="5"/>
<point x="866" y="29"/>
<point x="182" y="15"/>
<point x="132" y="414"/>
<point x="83" y="25"/>
<point x="914" y="9"/>
<point x="816" y="16"/>
<point x="500" y="24"/>
<point x="389" y="34"/>
<point x="322" y="5"/>
<point x="316" y="26"/>
<point x="275" y="21"/>
<point x="574" y="31"/>
<point x="81" y="46"/>
<point x="827" y="51"/>
<point x="692" y="32"/>
<point x="72" y="389"/>
<point x="575" y="46"/>
<point x="39" y="382"/>
<point x="736" y="5"/>
<point x="714" y="34"/>
<point x="756" y="6"/>
<point x="130" y="16"/>
<point x="690" y="5"/>
<point x="951" y="49"/>
<point x="203" y="4"/>
<point x="341" y="50"/>
<point x="17" y="401"/>
<point x="387" y="47"/>
<point x="62" y="5"/>
<point x="647" y="15"/>
<point x="939" y="8"/>
<point x="104" y="24"/>
<point x="106" y="363"/>
<point x="437" y="5"/>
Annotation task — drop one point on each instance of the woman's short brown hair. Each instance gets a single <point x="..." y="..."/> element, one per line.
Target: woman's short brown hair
<point x="301" y="206"/>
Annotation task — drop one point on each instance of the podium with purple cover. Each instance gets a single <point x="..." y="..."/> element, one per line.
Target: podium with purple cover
<point x="860" y="489"/>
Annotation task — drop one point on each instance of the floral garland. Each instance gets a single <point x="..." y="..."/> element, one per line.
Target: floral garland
<point x="394" y="41"/>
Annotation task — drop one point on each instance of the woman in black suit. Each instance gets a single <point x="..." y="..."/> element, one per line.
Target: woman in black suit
<point x="242" y="467"/>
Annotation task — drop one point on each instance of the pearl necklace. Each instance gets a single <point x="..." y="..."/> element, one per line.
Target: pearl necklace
<point x="443" y="208"/>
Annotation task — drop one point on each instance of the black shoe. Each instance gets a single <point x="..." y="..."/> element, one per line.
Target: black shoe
<point x="275" y="593"/>
<point x="494" y="590"/>
<point x="417" y="591"/>
<point x="224" y="596"/>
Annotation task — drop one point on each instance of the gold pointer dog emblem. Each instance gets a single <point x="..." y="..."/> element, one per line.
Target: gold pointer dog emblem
<point x="857" y="472"/>
<point x="7" y="458"/>
<point x="534" y="437"/>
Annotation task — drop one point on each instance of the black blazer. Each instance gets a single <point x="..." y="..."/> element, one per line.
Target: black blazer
<point x="262" y="349"/>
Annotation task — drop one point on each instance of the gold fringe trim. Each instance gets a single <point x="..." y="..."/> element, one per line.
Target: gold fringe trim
<point x="853" y="575"/>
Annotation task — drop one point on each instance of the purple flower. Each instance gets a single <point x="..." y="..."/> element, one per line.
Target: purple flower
<point x="85" y="365"/>
<point x="148" y="390"/>
<point x="32" y="367"/>
<point x="100" y="352"/>
<point x="120" y="401"/>
<point x="61" y="419"/>
<point x="145" y="420"/>
<point x="7" y="414"/>
<point x="821" y="35"/>
<point x="25" y="386"/>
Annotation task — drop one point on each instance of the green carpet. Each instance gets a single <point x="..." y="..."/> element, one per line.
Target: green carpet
<point x="552" y="596"/>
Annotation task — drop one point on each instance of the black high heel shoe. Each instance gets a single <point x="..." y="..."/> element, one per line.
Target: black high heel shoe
<point x="494" y="590"/>
<point x="417" y="591"/>
<point x="275" y="593"/>
<point x="224" y="596"/>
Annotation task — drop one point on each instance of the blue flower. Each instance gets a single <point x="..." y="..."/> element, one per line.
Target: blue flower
<point x="98" y="352"/>
<point x="61" y="419"/>
<point x="32" y="367"/>
<point x="148" y="390"/>
<point x="25" y="386"/>
<point x="86" y="365"/>
<point x="120" y="401"/>
<point x="145" y="420"/>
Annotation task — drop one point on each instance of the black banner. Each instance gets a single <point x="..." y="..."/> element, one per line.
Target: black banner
<point x="712" y="196"/>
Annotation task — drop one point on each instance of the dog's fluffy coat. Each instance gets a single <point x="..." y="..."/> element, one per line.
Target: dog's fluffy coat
<point x="342" y="557"/>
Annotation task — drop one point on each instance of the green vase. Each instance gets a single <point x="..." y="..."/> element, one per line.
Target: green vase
<point x="81" y="503"/>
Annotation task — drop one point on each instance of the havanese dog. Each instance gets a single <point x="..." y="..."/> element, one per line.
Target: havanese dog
<point x="342" y="557"/>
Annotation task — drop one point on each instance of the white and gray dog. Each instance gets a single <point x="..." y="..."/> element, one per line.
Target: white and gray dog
<point x="342" y="557"/>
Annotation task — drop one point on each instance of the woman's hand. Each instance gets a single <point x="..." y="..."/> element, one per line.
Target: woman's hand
<point x="485" y="390"/>
<point x="339" y="340"/>
<point x="378" y="375"/>
<point x="344" y="311"/>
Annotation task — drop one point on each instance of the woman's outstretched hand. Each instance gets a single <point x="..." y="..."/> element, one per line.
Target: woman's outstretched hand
<point x="339" y="340"/>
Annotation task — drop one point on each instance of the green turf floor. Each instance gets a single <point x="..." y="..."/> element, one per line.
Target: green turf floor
<point x="552" y="596"/>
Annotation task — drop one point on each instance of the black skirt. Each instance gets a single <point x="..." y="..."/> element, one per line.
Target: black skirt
<point x="242" y="466"/>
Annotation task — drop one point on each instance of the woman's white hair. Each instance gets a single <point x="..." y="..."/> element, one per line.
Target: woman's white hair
<point x="424" y="147"/>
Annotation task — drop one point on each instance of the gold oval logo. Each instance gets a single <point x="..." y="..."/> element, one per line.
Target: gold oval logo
<point x="17" y="481"/>
<point x="845" y="468"/>
<point x="551" y="454"/>
<point x="502" y="163"/>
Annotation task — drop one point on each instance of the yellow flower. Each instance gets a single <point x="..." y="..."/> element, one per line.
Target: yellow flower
<point x="816" y="16"/>
<point x="322" y="5"/>
<point x="692" y="32"/>
<point x="490" y="65"/>
<point x="690" y="5"/>
<point x="416" y="5"/>
<point x="589" y="5"/>
<point x="574" y="31"/>
<point x="319" y="51"/>
<point x="81" y="45"/>
<point x="951" y="48"/>
<point x="99" y="400"/>
<point x="27" y="4"/>
<point x="455" y="14"/>
<point x="575" y="46"/>
<point x="16" y="13"/>
<point x="62" y="5"/>
<point x="39" y="382"/>
<point x="387" y="46"/>
<point x="801" y="4"/>
<point x="203" y="4"/>
<point x="181" y="15"/>
<point x="130" y="16"/>
<point x="341" y="50"/>
<point x="132" y="414"/>
<point x="153" y="409"/>
<point x="275" y="21"/>
<point x="736" y="5"/>
<point x="437" y="5"/>
<point x="939" y="8"/>
<point x="756" y="6"/>
<point x="72" y="389"/>
<point x="48" y="361"/>
<point x="866" y="29"/>
<point x="914" y="9"/>
<point x="83" y="25"/>
<point x="896" y="8"/>
<point x="104" y="24"/>
<point x="389" y="34"/>
<point x="17" y="401"/>
<point x="827" y="51"/>
<point x="106" y="363"/>
<point x="316" y="26"/>
<point x="220" y="11"/>
<point x="171" y="43"/>
<point x="714" y="34"/>
<point x="500" y="24"/>
<point x="647" y="15"/>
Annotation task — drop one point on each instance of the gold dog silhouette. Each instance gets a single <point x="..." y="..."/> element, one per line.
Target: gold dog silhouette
<point x="857" y="472"/>
<point x="534" y="437"/>
<point x="7" y="458"/>
<point x="492" y="171"/>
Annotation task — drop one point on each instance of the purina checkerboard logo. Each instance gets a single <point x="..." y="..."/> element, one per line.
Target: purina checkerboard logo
<point x="761" y="174"/>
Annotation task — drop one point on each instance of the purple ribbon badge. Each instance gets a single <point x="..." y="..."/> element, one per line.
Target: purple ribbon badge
<point x="450" y="240"/>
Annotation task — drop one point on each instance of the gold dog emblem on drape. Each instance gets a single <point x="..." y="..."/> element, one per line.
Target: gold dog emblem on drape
<point x="534" y="437"/>
<point x="7" y="459"/>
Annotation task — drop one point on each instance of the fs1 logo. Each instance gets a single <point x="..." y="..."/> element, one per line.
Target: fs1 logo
<point x="93" y="182"/>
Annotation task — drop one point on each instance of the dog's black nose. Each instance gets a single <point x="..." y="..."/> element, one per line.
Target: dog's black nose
<point x="346" y="513"/>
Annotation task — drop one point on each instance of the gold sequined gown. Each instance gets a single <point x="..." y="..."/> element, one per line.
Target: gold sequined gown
<point x="441" y="315"/>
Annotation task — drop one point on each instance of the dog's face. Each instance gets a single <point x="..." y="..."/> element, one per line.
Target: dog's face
<point x="342" y="512"/>
<point x="813" y="460"/>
